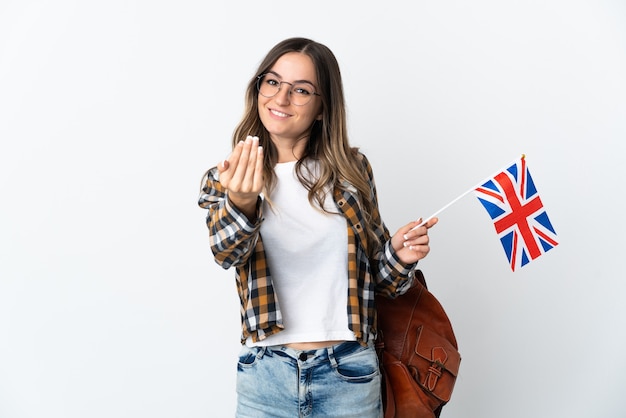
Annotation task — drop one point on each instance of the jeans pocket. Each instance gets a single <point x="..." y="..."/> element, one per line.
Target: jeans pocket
<point x="359" y="366"/>
<point x="248" y="357"/>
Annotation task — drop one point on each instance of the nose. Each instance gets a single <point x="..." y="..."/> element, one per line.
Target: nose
<point x="282" y="97"/>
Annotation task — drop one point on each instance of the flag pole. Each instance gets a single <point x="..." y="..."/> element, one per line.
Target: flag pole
<point x="463" y="194"/>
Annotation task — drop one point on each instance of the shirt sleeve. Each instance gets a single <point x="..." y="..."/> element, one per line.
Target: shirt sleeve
<point x="231" y="234"/>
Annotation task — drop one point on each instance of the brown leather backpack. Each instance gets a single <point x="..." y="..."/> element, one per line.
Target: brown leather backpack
<point x="417" y="351"/>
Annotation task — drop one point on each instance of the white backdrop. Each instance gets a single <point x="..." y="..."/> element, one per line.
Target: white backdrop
<point x="110" y="302"/>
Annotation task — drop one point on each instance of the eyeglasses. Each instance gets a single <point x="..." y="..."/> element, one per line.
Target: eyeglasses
<point x="300" y="93"/>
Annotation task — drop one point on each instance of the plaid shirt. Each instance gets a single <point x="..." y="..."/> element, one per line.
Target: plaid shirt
<point x="235" y="241"/>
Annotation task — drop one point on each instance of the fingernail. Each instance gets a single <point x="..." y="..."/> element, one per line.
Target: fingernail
<point x="405" y="237"/>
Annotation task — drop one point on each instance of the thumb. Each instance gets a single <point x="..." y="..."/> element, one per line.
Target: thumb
<point x="223" y="166"/>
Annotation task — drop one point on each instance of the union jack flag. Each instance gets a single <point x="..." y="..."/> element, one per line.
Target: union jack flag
<point x="521" y="222"/>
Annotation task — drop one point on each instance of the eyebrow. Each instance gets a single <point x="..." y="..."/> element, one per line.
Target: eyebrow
<point x="294" y="81"/>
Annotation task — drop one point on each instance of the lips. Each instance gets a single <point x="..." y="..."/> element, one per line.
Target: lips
<point x="279" y="114"/>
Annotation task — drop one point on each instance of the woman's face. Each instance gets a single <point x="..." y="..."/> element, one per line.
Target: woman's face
<point x="284" y="120"/>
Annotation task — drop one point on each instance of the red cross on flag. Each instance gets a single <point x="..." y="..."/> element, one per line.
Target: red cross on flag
<point x="521" y="222"/>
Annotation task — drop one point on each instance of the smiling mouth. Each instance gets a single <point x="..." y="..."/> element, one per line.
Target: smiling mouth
<point x="277" y="113"/>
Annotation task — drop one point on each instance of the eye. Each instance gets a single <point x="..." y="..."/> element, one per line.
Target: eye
<point x="302" y="90"/>
<point x="271" y="81"/>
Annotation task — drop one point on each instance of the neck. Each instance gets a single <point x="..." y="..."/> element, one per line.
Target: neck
<point x="289" y="150"/>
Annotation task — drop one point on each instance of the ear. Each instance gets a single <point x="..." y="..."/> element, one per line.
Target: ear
<point x="319" y="117"/>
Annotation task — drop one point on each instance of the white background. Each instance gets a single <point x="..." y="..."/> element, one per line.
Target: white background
<point x="110" y="302"/>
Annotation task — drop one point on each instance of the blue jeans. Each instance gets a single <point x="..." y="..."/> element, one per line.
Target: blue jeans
<point x="337" y="381"/>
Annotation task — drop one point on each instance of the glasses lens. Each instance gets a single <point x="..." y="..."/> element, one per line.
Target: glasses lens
<point x="301" y="93"/>
<point x="268" y="86"/>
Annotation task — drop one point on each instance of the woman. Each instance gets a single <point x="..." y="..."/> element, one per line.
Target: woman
<point x="294" y="210"/>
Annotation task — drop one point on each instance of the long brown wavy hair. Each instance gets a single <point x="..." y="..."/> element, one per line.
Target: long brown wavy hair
<point x="328" y="141"/>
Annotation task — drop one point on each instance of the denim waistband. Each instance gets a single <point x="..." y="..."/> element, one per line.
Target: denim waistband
<point x="329" y="353"/>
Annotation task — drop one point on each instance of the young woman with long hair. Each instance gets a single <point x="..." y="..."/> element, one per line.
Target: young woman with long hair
<point x="294" y="211"/>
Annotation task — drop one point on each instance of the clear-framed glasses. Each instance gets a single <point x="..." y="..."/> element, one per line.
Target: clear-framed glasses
<point x="300" y="92"/>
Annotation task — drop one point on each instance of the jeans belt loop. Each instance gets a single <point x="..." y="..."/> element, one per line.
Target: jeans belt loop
<point x="261" y="352"/>
<point x="331" y="356"/>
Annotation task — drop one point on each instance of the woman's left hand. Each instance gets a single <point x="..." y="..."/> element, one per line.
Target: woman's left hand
<point x="412" y="246"/>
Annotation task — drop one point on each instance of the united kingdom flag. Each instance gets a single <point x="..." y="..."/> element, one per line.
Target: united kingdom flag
<point x="521" y="222"/>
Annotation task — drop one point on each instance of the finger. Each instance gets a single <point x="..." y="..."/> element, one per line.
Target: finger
<point x="242" y="163"/>
<point x="415" y="229"/>
<point x="258" y="170"/>
<point x="416" y="241"/>
<point x="423" y="226"/>
<point x="232" y="159"/>
<point x="252" y="157"/>
<point x="252" y="163"/>
<point x="409" y="227"/>
<point x="431" y="222"/>
<point x="228" y="166"/>
<point x="422" y="250"/>
<point x="223" y="166"/>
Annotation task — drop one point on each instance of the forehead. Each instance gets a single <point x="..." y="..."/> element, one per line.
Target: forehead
<point x="295" y="66"/>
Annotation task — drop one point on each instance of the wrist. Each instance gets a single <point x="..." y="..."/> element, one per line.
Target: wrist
<point x="245" y="204"/>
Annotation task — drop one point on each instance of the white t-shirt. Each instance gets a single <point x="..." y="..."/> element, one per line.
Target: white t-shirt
<point x="307" y="254"/>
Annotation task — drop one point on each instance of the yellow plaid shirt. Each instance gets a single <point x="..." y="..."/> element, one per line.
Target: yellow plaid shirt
<point x="235" y="241"/>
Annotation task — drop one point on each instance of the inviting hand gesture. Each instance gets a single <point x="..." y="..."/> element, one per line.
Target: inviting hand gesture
<point x="242" y="175"/>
